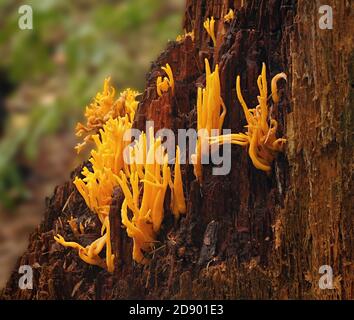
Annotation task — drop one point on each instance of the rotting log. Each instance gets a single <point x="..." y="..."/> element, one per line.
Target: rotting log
<point x="247" y="234"/>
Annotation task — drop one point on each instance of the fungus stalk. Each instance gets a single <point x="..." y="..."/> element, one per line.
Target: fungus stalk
<point x="162" y="85"/>
<point x="229" y="16"/>
<point x="178" y="203"/>
<point x="211" y="112"/>
<point x="209" y="26"/>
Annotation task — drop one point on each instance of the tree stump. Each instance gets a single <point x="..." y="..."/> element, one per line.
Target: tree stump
<point x="247" y="234"/>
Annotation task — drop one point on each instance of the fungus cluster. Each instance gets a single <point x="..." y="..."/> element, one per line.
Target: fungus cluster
<point x="261" y="127"/>
<point x="209" y="25"/>
<point x="162" y="85"/>
<point x="211" y="112"/>
<point x="103" y="107"/>
<point x="141" y="168"/>
<point x="143" y="175"/>
<point x="97" y="185"/>
<point x="144" y="186"/>
<point x="107" y="161"/>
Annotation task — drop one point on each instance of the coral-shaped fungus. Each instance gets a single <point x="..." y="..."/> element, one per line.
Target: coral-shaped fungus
<point x="178" y="203"/>
<point x="107" y="161"/>
<point x="209" y="115"/>
<point x="90" y="254"/>
<point x="144" y="186"/>
<point x="229" y="16"/>
<point x="209" y="25"/>
<point x="261" y="128"/>
<point x="107" y="122"/>
<point x="103" y="107"/>
<point x="97" y="185"/>
<point x="149" y="175"/>
<point x="162" y="85"/>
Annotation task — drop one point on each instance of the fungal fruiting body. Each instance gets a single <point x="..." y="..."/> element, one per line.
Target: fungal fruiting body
<point x="90" y="254"/>
<point x="107" y="161"/>
<point x="261" y="128"/>
<point x="103" y="107"/>
<point x="162" y="85"/>
<point x="97" y="185"/>
<point x="151" y="180"/>
<point x="274" y="87"/>
<point x="141" y="169"/>
<point x="209" y="25"/>
<point x="186" y="34"/>
<point x="229" y="16"/>
<point x="145" y="180"/>
<point x="178" y="203"/>
<point x="211" y="112"/>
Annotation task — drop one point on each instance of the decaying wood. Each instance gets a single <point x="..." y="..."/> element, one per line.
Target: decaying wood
<point x="245" y="235"/>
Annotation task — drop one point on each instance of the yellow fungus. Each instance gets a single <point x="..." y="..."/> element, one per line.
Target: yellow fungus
<point x="235" y="138"/>
<point x="186" y="34"/>
<point x="94" y="260"/>
<point x="109" y="256"/>
<point x="58" y="238"/>
<point x="178" y="203"/>
<point x="143" y="181"/>
<point x="107" y="161"/>
<point x="147" y="215"/>
<point x="162" y="85"/>
<point x="261" y="128"/>
<point x="96" y="247"/>
<point x="97" y="185"/>
<point x="103" y="107"/>
<point x="209" y="26"/>
<point x="274" y="87"/>
<point x="229" y="16"/>
<point x="82" y="228"/>
<point x="211" y="112"/>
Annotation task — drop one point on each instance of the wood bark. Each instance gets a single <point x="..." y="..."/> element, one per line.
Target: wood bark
<point x="247" y="234"/>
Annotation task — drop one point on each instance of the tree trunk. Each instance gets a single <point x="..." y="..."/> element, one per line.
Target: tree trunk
<point x="247" y="234"/>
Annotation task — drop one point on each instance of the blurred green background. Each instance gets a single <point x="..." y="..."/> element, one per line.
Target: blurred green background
<point x="47" y="77"/>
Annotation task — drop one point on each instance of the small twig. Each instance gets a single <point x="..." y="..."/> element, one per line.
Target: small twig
<point x="67" y="202"/>
<point x="156" y="250"/>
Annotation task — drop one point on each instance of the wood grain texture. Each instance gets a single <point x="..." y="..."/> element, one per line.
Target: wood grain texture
<point x="248" y="234"/>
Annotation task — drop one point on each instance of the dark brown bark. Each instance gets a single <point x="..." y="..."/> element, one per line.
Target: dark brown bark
<point x="246" y="235"/>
